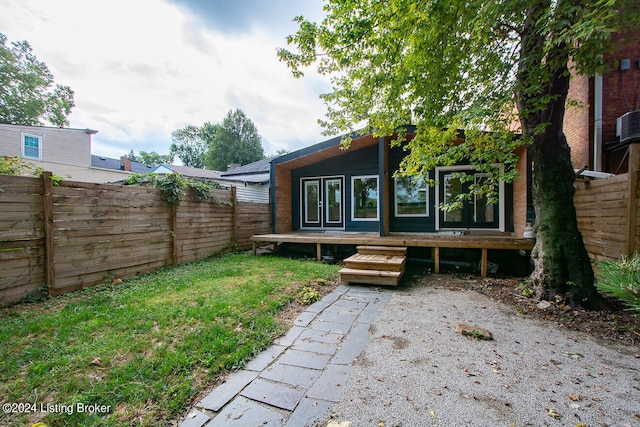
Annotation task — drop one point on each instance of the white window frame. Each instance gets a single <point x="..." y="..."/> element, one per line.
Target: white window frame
<point x="22" y="145"/>
<point x="426" y="202"/>
<point x="353" y="196"/>
<point x="340" y="181"/>
<point x="501" y="199"/>
<point x="305" y="213"/>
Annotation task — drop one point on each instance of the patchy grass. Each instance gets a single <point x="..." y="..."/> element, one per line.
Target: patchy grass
<point x="144" y="349"/>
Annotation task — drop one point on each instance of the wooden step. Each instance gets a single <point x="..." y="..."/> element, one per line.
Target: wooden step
<point x="370" y="277"/>
<point x="382" y="250"/>
<point x="375" y="262"/>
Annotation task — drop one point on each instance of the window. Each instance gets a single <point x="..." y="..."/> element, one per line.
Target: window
<point x="411" y="197"/>
<point x="365" y="198"/>
<point x="31" y="145"/>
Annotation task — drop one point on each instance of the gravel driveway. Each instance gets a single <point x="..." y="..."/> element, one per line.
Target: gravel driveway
<point x="416" y="371"/>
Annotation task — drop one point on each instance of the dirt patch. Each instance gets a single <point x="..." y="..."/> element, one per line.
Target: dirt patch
<point x="614" y="325"/>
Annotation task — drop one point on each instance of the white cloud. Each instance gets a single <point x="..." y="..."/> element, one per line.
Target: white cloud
<point x="141" y="69"/>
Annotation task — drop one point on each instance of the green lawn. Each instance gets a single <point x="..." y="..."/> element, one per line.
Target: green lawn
<point x="147" y="347"/>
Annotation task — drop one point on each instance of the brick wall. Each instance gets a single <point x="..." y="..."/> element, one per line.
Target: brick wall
<point x="577" y="123"/>
<point x="620" y="94"/>
<point x="618" y="85"/>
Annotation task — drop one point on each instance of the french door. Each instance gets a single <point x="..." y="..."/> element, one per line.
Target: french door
<point x="322" y="202"/>
<point x="475" y="212"/>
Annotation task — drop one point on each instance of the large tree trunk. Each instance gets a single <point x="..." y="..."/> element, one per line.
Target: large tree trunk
<point x="561" y="262"/>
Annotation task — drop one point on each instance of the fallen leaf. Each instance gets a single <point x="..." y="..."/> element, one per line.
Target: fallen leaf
<point x="575" y="397"/>
<point x="433" y="413"/>
<point x="238" y="415"/>
<point x="97" y="361"/>
<point x="554" y="414"/>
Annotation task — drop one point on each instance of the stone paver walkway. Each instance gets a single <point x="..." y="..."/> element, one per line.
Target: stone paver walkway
<point x="295" y="381"/>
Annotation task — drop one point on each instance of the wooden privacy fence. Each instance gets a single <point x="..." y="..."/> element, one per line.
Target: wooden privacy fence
<point x="607" y="211"/>
<point x="79" y="234"/>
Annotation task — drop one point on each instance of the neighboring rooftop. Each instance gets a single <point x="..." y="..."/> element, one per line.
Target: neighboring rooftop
<point x="119" y="164"/>
<point x="252" y="173"/>
<point x="187" y="171"/>
<point x="259" y="167"/>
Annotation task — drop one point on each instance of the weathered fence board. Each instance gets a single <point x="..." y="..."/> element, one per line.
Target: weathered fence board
<point x="81" y="234"/>
<point x="607" y="212"/>
<point x="21" y="237"/>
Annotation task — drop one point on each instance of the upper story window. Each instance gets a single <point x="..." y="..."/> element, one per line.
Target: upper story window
<point x="31" y="146"/>
<point x="365" y="198"/>
<point x="411" y="196"/>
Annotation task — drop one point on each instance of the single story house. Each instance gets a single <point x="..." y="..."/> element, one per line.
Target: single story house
<point x="324" y="188"/>
<point x="251" y="180"/>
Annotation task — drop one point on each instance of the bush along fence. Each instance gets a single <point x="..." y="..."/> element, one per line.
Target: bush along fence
<point x="57" y="239"/>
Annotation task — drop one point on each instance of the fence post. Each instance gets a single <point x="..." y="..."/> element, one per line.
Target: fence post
<point x="49" y="266"/>
<point x="234" y="224"/>
<point x="632" y="212"/>
<point x="174" y="234"/>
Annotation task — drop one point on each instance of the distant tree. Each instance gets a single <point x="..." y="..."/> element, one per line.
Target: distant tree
<point x="189" y="146"/>
<point x="27" y="92"/>
<point x="281" y="152"/>
<point x="150" y="158"/>
<point x="236" y="140"/>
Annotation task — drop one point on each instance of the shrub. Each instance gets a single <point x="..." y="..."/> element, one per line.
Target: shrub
<point x="308" y="295"/>
<point x="621" y="280"/>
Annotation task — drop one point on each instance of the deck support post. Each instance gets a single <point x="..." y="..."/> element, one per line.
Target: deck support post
<point x="483" y="263"/>
<point x="436" y="260"/>
<point x="254" y="248"/>
<point x="319" y="251"/>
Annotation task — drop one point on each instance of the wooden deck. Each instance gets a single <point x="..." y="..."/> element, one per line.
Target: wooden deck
<point x="483" y="242"/>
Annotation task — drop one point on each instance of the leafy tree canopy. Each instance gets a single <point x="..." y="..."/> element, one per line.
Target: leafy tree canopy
<point x="448" y="65"/>
<point x="28" y="95"/>
<point x="189" y="146"/>
<point x="476" y="65"/>
<point x="236" y="140"/>
<point x="150" y="158"/>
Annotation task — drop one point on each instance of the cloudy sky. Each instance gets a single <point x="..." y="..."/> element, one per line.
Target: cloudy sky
<point x="143" y="68"/>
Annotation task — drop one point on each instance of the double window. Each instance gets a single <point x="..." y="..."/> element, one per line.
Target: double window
<point x="31" y="146"/>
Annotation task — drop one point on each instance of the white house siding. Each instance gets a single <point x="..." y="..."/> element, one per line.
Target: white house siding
<point x="62" y="146"/>
<point x="251" y="193"/>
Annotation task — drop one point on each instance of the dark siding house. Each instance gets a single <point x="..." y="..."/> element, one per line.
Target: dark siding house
<point x="328" y="189"/>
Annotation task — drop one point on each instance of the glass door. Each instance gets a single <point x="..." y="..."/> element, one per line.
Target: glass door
<point x="311" y="203"/>
<point x="476" y="211"/>
<point x="322" y="202"/>
<point x="333" y="195"/>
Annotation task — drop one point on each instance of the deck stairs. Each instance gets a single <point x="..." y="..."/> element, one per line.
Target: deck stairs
<point x="375" y="265"/>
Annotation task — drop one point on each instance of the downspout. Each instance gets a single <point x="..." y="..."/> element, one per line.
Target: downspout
<point x="597" y="123"/>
